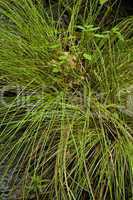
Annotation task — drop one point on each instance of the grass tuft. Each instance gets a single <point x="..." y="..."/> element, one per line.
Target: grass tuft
<point x="65" y="115"/>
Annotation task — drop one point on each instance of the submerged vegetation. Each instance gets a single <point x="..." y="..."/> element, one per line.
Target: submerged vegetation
<point x="66" y="74"/>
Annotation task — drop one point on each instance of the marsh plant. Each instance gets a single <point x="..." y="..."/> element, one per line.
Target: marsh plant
<point x="64" y="93"/>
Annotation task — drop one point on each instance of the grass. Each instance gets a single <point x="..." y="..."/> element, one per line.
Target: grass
<point x="66" y="134"/>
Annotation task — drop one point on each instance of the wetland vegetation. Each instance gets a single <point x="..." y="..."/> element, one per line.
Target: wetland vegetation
<point x="66" y="100"/>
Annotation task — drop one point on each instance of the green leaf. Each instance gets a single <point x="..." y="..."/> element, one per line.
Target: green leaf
<point x="100" y="36"/>
<point x="102" y="1"/>
<point x="80" y="27"/>
<point x="118" y="33"/>
<point x="56" y="69"/>
<point x="87" y="56"/>
<point x="91" y="28"/>
<point x="55" y="46"/>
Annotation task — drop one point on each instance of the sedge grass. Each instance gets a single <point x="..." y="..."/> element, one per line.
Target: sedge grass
<point x="64" y="133"/>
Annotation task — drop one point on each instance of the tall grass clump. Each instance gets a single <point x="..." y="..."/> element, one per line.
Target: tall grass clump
<point x="65" y="118"/>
